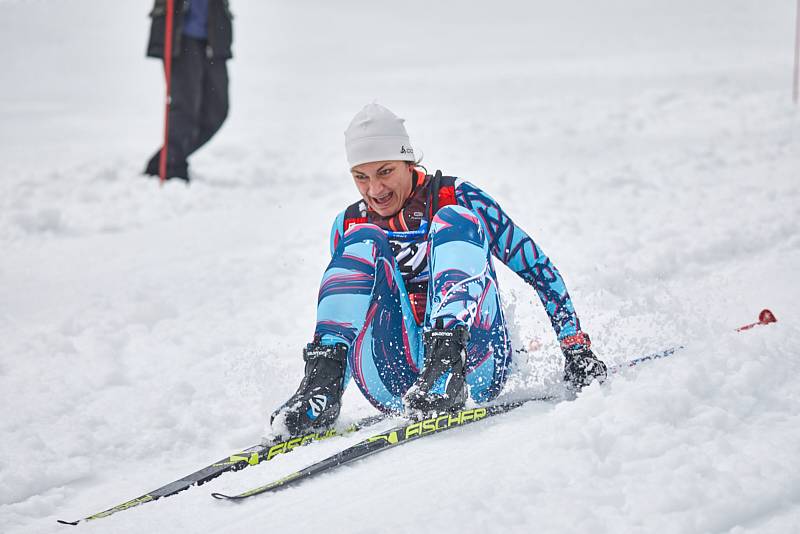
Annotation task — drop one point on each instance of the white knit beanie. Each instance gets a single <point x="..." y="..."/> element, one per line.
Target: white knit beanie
<point x="377" y="134"/>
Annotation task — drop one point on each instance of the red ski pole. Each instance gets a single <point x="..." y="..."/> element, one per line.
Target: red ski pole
<point x="765" y="317"/>
<point x="162" y="163"/>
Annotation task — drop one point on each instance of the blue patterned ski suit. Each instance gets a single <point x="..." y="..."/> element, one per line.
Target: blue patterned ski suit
<point x="371" y="289"/>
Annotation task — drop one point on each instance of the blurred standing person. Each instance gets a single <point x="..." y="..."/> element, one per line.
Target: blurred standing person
<point x="201" y="45"/>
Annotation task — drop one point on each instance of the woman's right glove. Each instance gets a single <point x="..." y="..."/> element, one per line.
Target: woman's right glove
<point x="581" y="366"/>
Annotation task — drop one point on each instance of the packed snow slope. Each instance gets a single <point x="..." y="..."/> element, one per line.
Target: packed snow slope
<point x="650" y="147"/>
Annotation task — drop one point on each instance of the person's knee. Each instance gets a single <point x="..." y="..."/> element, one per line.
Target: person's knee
<point x="362" y="232"/>
<point x="359" y="235"/>
<point x="457" y="223"/>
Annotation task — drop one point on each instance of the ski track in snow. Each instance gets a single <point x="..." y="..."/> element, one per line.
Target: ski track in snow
<point x="651" y="149"/>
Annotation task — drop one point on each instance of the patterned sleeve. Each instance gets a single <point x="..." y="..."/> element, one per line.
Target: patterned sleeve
<point x="511" y="245"/>
<point x="337" y="231"/>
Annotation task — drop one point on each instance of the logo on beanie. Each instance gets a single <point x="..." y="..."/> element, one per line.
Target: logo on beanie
<point x="406" y="150"/>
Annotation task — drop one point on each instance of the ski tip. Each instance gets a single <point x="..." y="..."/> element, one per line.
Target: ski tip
<point x="222" y="497"/>
<point x="73" y="523"/>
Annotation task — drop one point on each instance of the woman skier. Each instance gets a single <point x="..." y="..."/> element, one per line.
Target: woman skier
<point x="409" y="305"/>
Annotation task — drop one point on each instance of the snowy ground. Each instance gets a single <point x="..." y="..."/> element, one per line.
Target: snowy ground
<point x="650" y="147"/>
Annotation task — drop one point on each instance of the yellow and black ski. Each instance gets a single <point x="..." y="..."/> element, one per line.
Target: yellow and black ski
<point x="254" y="455"/>
<point x="398" y="435"/>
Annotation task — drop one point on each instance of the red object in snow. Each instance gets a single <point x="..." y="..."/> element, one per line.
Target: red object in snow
<point x="765" y="317"/>
<point x="162" y="163"/>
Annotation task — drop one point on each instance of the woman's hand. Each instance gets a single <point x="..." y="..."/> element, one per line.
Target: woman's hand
<point x="581" y="366"/>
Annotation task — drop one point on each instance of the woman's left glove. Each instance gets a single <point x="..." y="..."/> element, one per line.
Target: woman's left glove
<point x="581" y="366"/>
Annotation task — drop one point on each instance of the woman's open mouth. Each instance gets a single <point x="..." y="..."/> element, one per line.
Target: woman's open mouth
<point x="382" y="201"/>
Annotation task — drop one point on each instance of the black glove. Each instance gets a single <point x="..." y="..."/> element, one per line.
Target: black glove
<point x="581" y="366"/>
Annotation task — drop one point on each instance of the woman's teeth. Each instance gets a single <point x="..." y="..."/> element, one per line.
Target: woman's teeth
<point x="382" y="200"/>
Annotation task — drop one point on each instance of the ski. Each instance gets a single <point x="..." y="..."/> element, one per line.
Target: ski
<point x="398" y="435"/>
<point x="254" y="455"/>
<point x="412" y="430"/>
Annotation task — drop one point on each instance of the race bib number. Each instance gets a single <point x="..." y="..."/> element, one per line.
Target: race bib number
<point x="411" y="258"/>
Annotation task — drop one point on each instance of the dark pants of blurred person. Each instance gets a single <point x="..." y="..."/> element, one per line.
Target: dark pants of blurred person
<point x="198" y="108"/>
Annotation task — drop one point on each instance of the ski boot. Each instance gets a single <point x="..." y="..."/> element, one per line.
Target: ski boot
<point x="445" y="350"/>
<point x="175" y="169"/>
<point x="317" y="401"/>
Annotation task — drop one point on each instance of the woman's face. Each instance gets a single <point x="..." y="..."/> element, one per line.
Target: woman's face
<point x="384" y="185"/>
